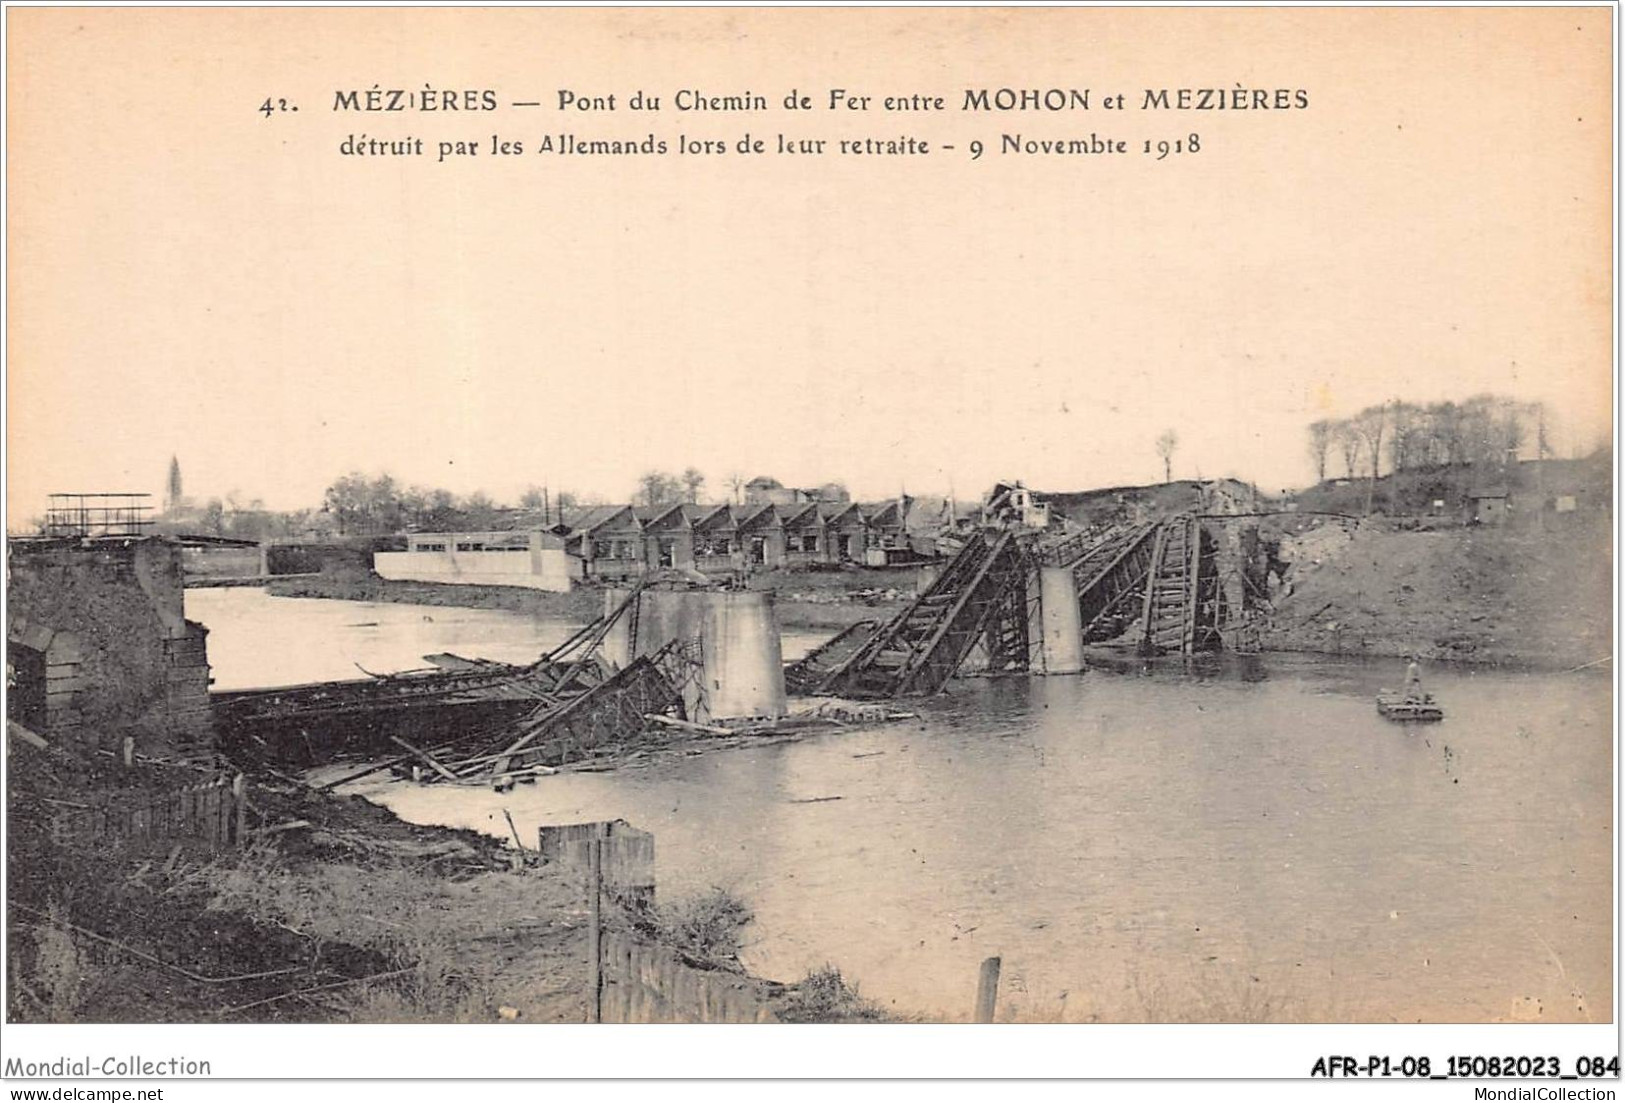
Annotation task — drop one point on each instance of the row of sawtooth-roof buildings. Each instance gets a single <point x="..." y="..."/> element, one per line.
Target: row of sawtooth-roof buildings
<point x="620" y="542"/>
<point x="617" y="542"/>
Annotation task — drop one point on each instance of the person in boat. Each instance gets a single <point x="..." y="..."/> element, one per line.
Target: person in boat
<point x="1413" y="682"/>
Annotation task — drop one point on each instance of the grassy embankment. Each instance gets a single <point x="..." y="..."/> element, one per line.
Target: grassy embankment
<point x="352" y="916"/>
<point x="336" y="912"/>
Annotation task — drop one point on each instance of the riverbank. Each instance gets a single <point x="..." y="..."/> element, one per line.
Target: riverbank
<point x="335" y="911"/>
<point x="331" y="910"/>
<point x="804" y="601"/>
<point x="1485" y="595"/>
<point x="581" y="604"/>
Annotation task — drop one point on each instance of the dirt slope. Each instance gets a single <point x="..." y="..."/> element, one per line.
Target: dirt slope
<point x="1479" y="594"/>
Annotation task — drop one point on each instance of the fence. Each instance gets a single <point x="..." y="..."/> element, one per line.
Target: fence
<point x="214" y="812"/>
<point x="627" y="854"/>
<point x="653" y="984"/>
<point x="632" y="981"/>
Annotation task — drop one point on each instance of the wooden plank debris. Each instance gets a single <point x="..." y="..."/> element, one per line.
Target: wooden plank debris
<point x="433" y="762"/>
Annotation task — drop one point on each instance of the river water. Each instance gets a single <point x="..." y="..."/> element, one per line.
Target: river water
<point x="1237" y="842"/>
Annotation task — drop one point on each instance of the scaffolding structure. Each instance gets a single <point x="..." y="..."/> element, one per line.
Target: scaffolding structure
<point x="97" y="515"/>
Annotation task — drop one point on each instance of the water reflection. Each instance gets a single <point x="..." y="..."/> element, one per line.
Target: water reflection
<point x="256" y="640"/>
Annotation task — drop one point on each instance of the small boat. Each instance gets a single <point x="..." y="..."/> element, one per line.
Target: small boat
<point x="1401" y="706"/>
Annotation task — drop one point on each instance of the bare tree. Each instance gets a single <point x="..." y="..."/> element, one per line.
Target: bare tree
<point x="1486" y="431"/>
<point x="479" y="512"/>
<point x="1348" y="443"/>
<point x="1513" y="434"/>
<point x="1371" y="423"/>
<point x="1543" y="439"/>
<point x="349" y="500"/>
<point x="1406" y="445"/>
<point x="1320" y="440"/>
<point x="736" y="483"/>
<point x="537" y="498"/>
<point x="214" y="517"/>
<point x="658" y="488"/>
<point x="1542" y="450"/>
<point x="1165" y="448"/>
<point x="440" y="511"/>
<point x="1445" y="435"/>
<point x="1491" y="429"/>
<point x="693" y="484"/>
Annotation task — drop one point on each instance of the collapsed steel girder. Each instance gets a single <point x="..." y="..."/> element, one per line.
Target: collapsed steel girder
<point x="1163" y="576"/>
<point x="979" y="596"/>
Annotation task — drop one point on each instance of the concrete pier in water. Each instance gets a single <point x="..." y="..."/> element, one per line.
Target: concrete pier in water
<point x="1062" y="622"/>
<point x="738" y="637"/>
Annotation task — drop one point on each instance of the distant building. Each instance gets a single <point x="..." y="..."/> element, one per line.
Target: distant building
<point x="1488" y="505"/>
<point x="616" y="543"/>
<point x="887" y="539"/>
<point x="764" y="490"/>
<point x="534" y="559"/>
<point x="1012" y="503"/>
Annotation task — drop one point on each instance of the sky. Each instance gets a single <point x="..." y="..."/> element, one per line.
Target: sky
<point x="190" y="277"/>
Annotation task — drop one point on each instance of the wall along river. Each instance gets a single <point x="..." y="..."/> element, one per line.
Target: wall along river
<point x="1242" y="841"/>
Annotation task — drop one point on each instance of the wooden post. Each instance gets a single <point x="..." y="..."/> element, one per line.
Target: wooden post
<point x="239" y="800"/>
<point x="427" y="757"/>
<point x="595" y="948"/>
<point x="987" y="990"/>
<point x="129" y="751"/>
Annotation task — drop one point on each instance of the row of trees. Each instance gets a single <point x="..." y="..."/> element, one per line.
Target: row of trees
<point x="356" y="505"/>
<point x="660" y="488"/>
<point x="362" y="504"/>
<point x="1483" y="430"/>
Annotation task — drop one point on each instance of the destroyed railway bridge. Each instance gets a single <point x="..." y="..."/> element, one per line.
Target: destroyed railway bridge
<point x="1017" y="601"/>
<point x="1013" y="599"/>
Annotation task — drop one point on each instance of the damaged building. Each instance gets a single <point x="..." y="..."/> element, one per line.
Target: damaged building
<point x="99" y="647"/>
